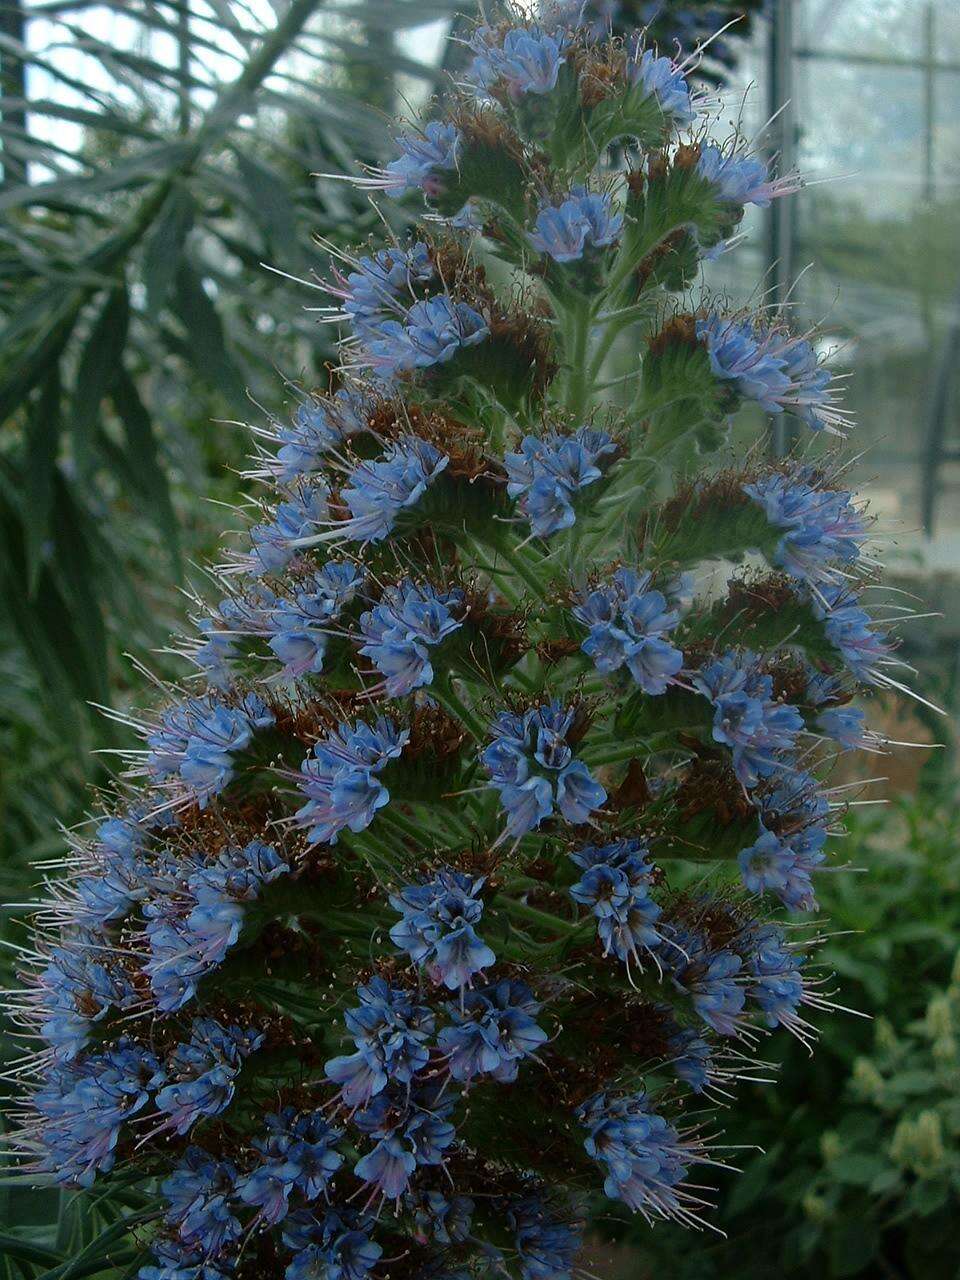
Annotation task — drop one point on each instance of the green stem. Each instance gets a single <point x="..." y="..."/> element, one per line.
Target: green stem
<point x="579" y="384"/>
<point x="544" y="919"/>
<point x="442" y="690"/>
<point x="519" y="566"/>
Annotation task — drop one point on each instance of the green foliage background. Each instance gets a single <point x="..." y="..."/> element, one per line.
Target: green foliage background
<point x="137" y="314"/>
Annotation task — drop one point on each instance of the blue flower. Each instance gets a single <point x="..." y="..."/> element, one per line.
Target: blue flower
<point x="845" y="725"/>
<point x="443" y="1221"/>
<point x="199" y="738"/>
<point x="379" y="492"/>
<point x="121" y="874"/>
<point x="662" y="79"/>
<point x="432" y="331"/>
<point x="492" y="1033"/>
<point x="409" y="1135"/>
<point x="583" y="219"/>
<point x="711" y="977"/>
<point x="532" y="766"/>
<point x="190" y="931"/>
<point x="757" y="728"/>
<point x="775" y="865"/>
<point x="349" y="1255"/>
<point x="297" y="1155"/>
<point x="437" y="931"/>
<point x="388" y="1167"/>
<point x="275" y="541"/>
<point x="824" y="528"/>
<point x="202" y="1073"/>
<point x="215" y="654"/>
<point x="526" y="60"/>
<point x="740" y="179"/>
<point x="851" y="630"/>
<point x="643" y="1156"/>
<point x="172" y="1260"/>
<point x="399" y="632"/>
<point x="340" y="778"/>
<point x="546" y="474"/>
<point x="777" y="985"/>
<point x="391" y="1034"/>
<point x="615" y="885"/>
<point x="198" y="1195"/>
<point x="381" y="287"/>
<point x="301" y="627"/>
<point x="693" y="1058"/>
<point x="84" y="1103"/>
<point x="628" y="627"/>
<point x="82" y="982"/>
<point x="421" y="155"/>
<point x="319" y="425"/>
<point x="546" y="1245"/>
<point x="779" y="372"/>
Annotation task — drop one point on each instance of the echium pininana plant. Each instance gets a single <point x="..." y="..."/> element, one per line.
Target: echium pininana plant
<point x="459" y="877"/>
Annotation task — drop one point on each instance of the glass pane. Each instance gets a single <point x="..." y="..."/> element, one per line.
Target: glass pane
<point x="885" y="277"/>
<point x="884" y="28"/>
<point x="947" y="31"/>
<point x="862" y="127"/>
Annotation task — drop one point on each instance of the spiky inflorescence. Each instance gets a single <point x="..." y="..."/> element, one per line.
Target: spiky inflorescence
<point x="401" y="947"/>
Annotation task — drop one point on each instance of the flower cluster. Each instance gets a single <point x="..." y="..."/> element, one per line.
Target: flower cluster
<point x="629" y="624"/>
<point x="778" y="371"/>
<point x="824" y="529"/>
<point x="379" y="492"/>
<point x="547" y="473"/>
<point x="522" y="60"/>
<point x="532" y="765"/>
<point x="400" y="632"/>
<point x="299" y="629"/>
<point x="198" y="740"/>
<point x="643" y="1157"/>
<point x="584" y="220"/>
<point x="319" y="426"/>
<point x="615" y="885"/>
<point x="340" y="779"/>
<point x="197" y="917"/>
<point x="437" y="931"/>
<point x="756" y="727"/>
<point x="477" y="825"/>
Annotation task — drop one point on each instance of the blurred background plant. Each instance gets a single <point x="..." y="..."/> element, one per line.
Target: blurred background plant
<point x="155" y="153"/>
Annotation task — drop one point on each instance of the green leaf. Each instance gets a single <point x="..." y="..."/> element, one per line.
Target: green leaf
<point x="753" y="1182"/>
<point x="856" y="1170"/>
<point x="853" y="1246"/>
<point x="42" y="440"/>
<point x="269" y="203"/>
<point x="96" y="370"/>
<point x="164" y="246"/>
<point x="145" y="466"/>
<point x="24" y="1251"/>
<point x="207" y="348"/>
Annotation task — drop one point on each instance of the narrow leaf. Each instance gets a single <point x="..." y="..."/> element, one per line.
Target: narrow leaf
<point x="42" y="439"/>
<point x="207" y="349"/>
<point x="164" y="246"/>
<point x="145" y="464"/>
<point x="96" y="370"/>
